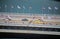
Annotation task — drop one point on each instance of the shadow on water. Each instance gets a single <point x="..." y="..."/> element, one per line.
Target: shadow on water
<point x="56" y="0"/>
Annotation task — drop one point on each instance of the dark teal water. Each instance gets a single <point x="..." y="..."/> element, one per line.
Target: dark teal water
<point x="36" y="6"/>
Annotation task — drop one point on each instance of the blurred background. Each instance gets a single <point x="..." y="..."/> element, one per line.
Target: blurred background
<point x="30" y="6"/>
